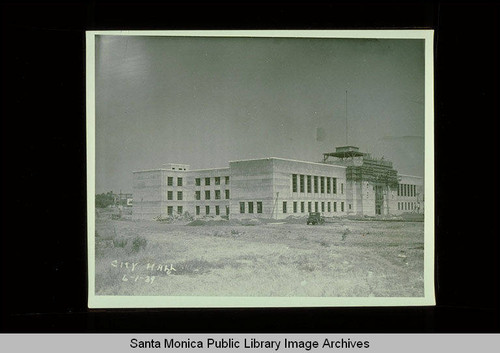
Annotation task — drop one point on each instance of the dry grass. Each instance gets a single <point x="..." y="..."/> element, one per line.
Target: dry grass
<point x="339" y="259"/>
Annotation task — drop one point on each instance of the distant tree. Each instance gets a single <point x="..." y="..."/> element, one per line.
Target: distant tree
<point x="104" y="200"/>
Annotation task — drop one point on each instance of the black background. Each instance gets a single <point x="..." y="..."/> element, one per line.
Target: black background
<point x="43" y="250"/>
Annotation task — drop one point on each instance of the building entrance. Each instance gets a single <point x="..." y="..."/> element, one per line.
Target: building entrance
<point x="379" y="199"/>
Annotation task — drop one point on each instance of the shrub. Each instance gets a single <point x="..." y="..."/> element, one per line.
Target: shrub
<point x="120" y="242"/>
<point x="138" y="243"/>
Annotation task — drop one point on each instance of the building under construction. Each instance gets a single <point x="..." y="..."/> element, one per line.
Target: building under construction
<point x="345" y="182"/>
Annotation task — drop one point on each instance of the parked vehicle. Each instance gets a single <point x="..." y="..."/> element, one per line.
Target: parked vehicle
<point x="315" y="218"/>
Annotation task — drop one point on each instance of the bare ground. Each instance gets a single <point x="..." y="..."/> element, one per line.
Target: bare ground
<point x="342" y="258"/>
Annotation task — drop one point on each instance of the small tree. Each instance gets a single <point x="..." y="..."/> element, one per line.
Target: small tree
<point x="104" y="200"/>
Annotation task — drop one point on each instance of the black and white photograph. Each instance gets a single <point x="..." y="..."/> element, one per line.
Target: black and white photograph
<point x="260" y="168"/>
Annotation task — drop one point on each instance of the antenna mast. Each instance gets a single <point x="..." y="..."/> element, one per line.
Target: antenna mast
<point x="346" y="125"/>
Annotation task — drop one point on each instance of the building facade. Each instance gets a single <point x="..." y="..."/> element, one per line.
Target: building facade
<point x="346" y="182"/>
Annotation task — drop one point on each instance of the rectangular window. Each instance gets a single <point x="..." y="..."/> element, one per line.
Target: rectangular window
<point x="217" y="180"/>
<point x="329" y="207"/>
<point x="170" y="181"/>
<point x="207" y="181"/>
<point x="170" y="210"/>
<point x="309" y="206"/>
<point x="335" y="207"/>
<point x="242" y="207"/>
<point x="342" y="206"/>
<point x="328" y="186"/>
<point x="217" y="194"/>
<point x="207" y="194"/>
<point x="197" y="210"/>
<point x="179" y="195"/>
<point x="259" y="207"/>
<point x="284" y="206"/>
<point x="302" y="207"/>
<point x="350" y="206"/>
<point x="315" y="184"/>
<point x="302" y="186"/>
<point x="322" y="188"/>
<point x="404" y="191"/>
<point x="179" y="209"/>
<point x="198" y="195"/>
<point x="316" y="207"/>
<point x="217" y="210"/>
<point x="342" y="188"/>
<point x="197" y="181"/>
<point x="179" y="181"/>
<point x="398" y="206"/>
<point x="322" y="206"/>
<point x="294" y="182"/>
<point x="170" y="195"/>
<point x="295" y="207"/>
<point x="227" y="194"/>
<point x="399" y="188"/>
<point x="309" y="189"/>
<point x="227" y="180"/>
<point x="227" y="210"/>
<point x="334" y="185"/>
<point x="250" y="207"/>
<point x="207" y="209"/>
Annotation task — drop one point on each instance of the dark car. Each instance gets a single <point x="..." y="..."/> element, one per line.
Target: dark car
<point x="315" y="218"/>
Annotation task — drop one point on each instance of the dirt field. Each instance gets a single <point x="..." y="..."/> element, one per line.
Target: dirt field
<point x="342" y="258"/>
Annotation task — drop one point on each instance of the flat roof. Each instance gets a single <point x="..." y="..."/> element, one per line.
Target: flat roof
<point x="201" y="170"/>
<point x="288" y="160"/>
<point x="410" y="176"/>
<point x="176" y="170"/>
<point x="346" y="153"/>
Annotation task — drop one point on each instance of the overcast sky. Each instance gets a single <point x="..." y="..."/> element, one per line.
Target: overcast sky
<point x="207" y="101"/>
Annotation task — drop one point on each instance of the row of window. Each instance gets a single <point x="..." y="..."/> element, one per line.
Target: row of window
<point x="170" y="195"/>
<point x="407" y="206"/>
<point x="250" y="207"/>
<point x="317" y="205"/>
<point x="407" y="190"/>
<point x="207" y="210"/>
<point x="197" y="194"/>
<point x="170" y="181"/>
<point x="170" y="210"/>
<point x="197" y="181"/>
<point x="320" y="184"/>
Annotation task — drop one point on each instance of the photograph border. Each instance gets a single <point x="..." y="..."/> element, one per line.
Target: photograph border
<point x="95" y="301"/>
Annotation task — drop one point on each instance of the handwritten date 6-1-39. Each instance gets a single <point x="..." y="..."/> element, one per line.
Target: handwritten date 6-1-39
<point x="146" y="279"/>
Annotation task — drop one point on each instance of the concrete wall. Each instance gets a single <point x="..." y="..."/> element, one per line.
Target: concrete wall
<point x="212" y="203"/>
<point x="411" y="195"/>
<point x="284" y="169"/>
<point x="252" y="181"/>
<point x="148" y="192"/>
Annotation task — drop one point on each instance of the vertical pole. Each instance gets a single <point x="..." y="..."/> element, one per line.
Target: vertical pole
<point x="346" y="126"/>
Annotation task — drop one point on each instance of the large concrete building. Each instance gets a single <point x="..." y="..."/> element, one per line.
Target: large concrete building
<point x="346" y="182"/>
